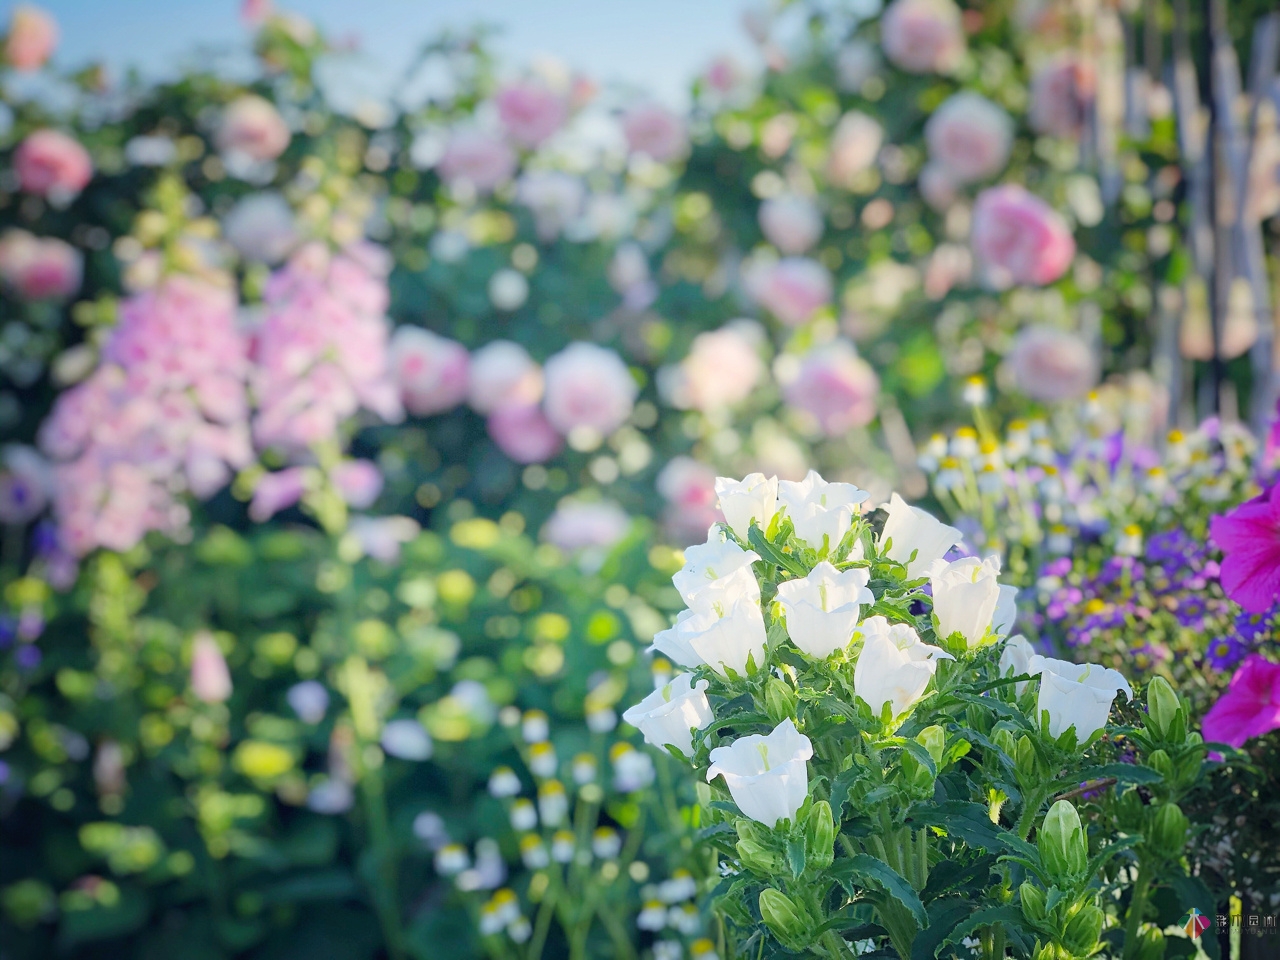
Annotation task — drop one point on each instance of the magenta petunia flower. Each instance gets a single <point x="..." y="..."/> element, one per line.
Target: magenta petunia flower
<point x="1249" y="538"/>
<point x="1250" y="707"/>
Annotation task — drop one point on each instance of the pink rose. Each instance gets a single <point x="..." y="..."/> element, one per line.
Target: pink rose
<point x="1061" y="92"/>
<point x="431" y="371"/>
<point x="793" y="289"/>
<point x="32" y="36"/>
<point x="40" y="269"/>
<point x="656" y="132"/>
<point x="576" y="525"/>
<point x="923" y="36"/>
<point x="530" y="112"/>
<point x="277" y="491"/>
<point x="791" y="223"/>
<point x="855" y="144"/>
<point x="1019" y="238"/>
<point x="721" y="370"/>
<point x="524" y="434"/>
<point x="477" y="159"/>
<point x="503" y="375"/>
<point x="969" y="137"/>
<point x="723" y="76"/>
<point x="51" y="164"/>
<point x="836" y="387"/>
<point x="1052" y="365"/>
<point x="252" y="127"/>
<point x="358" y="482"/>
<point x="210" y="678"/>
<point x="689" y="487"/>
<point x="588" y="387"/>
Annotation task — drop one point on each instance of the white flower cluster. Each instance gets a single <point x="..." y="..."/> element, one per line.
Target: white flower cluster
<point x="830" y="614"/>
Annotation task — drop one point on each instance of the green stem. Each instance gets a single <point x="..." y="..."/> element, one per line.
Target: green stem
<point x="1030" y="807"/>
<point x="384" y="891"/>
<point x="1137" y="907"/>
<point x="542" y="923"/>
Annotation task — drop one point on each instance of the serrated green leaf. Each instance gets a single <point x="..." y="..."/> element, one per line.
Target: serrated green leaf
<point x="867" y="869"/>
<point x="795" y="857"/>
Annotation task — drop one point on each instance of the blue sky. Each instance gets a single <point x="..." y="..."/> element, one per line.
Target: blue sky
<point x="657" y="44"/>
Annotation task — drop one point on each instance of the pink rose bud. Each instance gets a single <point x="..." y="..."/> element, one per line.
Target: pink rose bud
<point x="923" y="36"/>
<point x="524" y="434"/>
<point x="358" y="482"/>
<point x="1019" y="238"/>
<point x="791" y="223"/>
<point x="1051" y="365"/>
<point x="503" y="375"/>
<point x="277" y="491"/>
<point x="40" y="269"/>
<point x="530" y="112"/>
<point x="836" y="387"/>
<point x="969" y="137"/>
<point x="478" y="160"/>
<point x="655" y="132"/>
<point x="210" y="678"/>
<point x="689" y="487"/>
<point x="432" y="372"/>
<point x="588" y="387"/>
<point x="721" y="370"/>
<point x="1061" y="92"/>
<point x="51" y="164"/>
<point x="33" y="34"/>
<point x="252" y="127"/>
<point x="855" y="144"/>
<point x="793" y="289"/>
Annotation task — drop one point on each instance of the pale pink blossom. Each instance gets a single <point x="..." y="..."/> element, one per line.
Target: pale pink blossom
<point x="836" y="387"/>
<point x="478" y="160"/>
<point x="431" y="371"/>
<point x="51" y="164"/>
<point x="252" y="127"/>
<point x="1061" y="92"/>
<point x="588" y="387"/>
<point x="210" y="678"/>
<point x="524" y="434"/>
<point x="689" y="488"/>
<point x="261" y="227"/>
<point x="576" y="525"/>
<point x="33" y="35"/>
<point x="277" y="491"/>
<point x="39" y="268"/>
<point x="923" y="36"/>
<point x="791" y="223"/>
<point x="856" y="63"/>
<point x="855" y="144"/>
<point x="969" y="137"/>
<point x="555" y="198"/>
<point x="503" y="375"/>
<point x="358" y="482"/>
<point x="254" y="13"/>
<point x="937" y="187"/>
<point x="792" y="289"/>
<point x="655" y="132"/>
<point x="722" y="369"/>
<point x="1018" y="238"/>
<point x="1051" y="365"/>
<point x="723" y="76"/>
<point x="530" y="111"/>
<point x="26" y="484"/>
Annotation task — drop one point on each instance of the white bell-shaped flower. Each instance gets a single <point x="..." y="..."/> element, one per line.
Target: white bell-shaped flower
<point x="823" y="608"/>
<point x="965" y="595"/>
<point x="821" y="512"/>
<point x="910" y="530"/>
<point x="708" y="562"/>
<point x="1015" y="659"/>
<point x="754" y="497"/>
<point x="768" y="776"/>
<point x="670" y="713"/>
<point x="1076" y="694"/>
<point x="894" y="667"/>
<point x="1006" y="610"/>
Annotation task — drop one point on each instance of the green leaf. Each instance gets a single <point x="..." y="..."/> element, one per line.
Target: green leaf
<point x="1008" y="915"/>
<point x="1122" y="772"/>
<point x="128" y="914"/>
<point x="795" y="857"/>
<point x="1192" y="892"/>
<point x="922" y="756"/>
<point x="869" y="870"/>
<point x="970" y="823"/>
<point x="951" y="874"/>
<point x="840" y="790"/>
<point x="943" y="917"/>
<point x="772" y="554"/>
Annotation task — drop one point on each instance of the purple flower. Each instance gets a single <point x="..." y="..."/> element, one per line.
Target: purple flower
<point x="1249" y="708"/>
<point x="27" y="657"/>
<point x="1225" y="653"/>
<point x="1249" y="537"/>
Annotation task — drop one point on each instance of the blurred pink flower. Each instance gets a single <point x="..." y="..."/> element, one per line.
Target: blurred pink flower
<point x="524" y="434"/>
<point x="791" y="223"/>
<point x="689" y="487"/>
<point x="530" y="111"/>
<point x="321" y="353"/>
<point x="836" y="387"/>
<point x="588" y="386"/>
<point x="252" y="127"/>
<point x="923" y="36"/>
<point x="792" y="289"/>
<point x="724" y="75"/>
<point x="855" y="144"/>
<point x="277" y="491"/>
<point x="1061" y="92"/>
<point x="503" y="375"/>
<point x="33" y="35"/>
<point x="1250" y="707"/>
<point x="722" y="369"/>
<point x="1249" y="538"/>
<point x="1051" y="365"/>
<point x="656" y="132"/>
<point x="51" y="164"/>
<point x="430" y="370"/>
<point x="477" y="159"/>
<point x="937" y="187"/>
<point x="210" y="678"/>
<point x="1019" y="238"/>
<point x="578" y="524"/>
<point x="37" y="268"/>
<point x="261" y="227"/>
<point x="969" y="137"/>
<point x="254" y="13"/>
<point x="26" y="482"/>
<point x="382" y="537"/>
<point x="358" y="482"/>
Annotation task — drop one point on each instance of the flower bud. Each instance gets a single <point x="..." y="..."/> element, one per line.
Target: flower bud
<point x="1150" y="945"/>
<point x="1082" y="930"/>
<point x="786" y="919"/>
<point x="1003" y="738"/>
<point x="1159" y="761"/>
<point x="1169" y="830"/>
<point x="759" y="859"/>
<point x="1025" y="761"/>
<point x="934" y="740"/>
<point x="1130" y="812"/>
<point x="779" y="700"/>
<point x="1032" y="898"/>
<point x="819" y="836"/>
<point x="1064" y="852"/>
<point x="1165" y="713"/>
